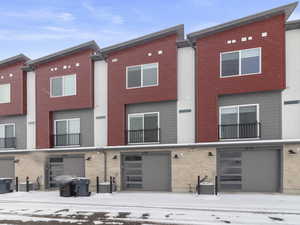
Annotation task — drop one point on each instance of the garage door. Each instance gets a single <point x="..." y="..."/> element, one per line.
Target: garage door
<point x="146" y="171"/>
<point x="7" y="168"/>
<point x="73" y="165"/>
<point x="256" y="170"/>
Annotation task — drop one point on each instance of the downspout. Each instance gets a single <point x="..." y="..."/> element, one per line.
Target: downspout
<point x="105" y="166"/>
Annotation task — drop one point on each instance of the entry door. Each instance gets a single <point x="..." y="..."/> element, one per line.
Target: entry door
<point x="7" y="168"/>
<point x="156" y="172"/>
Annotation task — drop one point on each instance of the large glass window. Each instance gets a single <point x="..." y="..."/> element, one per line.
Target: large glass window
<point x="142" y="75"/>
<point x="242" y="62"/>
<point x="4" y="93"/>
<point x="67" y="132"/>
<point x="63" y="86"/>
<point x="143" y="127"/>
<point x="239" y="122"/>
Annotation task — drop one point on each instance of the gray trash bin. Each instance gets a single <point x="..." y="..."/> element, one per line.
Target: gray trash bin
<point x="6" y="185"/>
<point x="82" y="186"/>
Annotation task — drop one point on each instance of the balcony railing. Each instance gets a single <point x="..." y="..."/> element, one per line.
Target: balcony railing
<point x="239" y="131"/>
<point x="142" y="136"/>
<point x="9" y="142"/>
<point x="61" y="140"/>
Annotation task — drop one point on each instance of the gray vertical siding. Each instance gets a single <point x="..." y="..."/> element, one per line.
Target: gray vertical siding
<point x="269" y="110"/>
<point x="20" y="129"/>
<point x="167" y="116"/>
<point x="86" y="123"/>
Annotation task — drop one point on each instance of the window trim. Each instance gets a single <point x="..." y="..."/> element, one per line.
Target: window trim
<point x="142" y="76"/>
<point x="240" y="60"/>
<point x="63" y="85"/>
<point x="9" y="85"/>
<point x="238" y="118"/>
<point x="54" y="131"/>
<point x="143" y="116"/>
<point x="8" y="124"/>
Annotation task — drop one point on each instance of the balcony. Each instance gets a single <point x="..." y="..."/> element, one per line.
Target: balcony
<point x="63" y="140"/>
<point x="9" y="142"/>
<point x="149" y="136"/>
<point x="240" y="131"/>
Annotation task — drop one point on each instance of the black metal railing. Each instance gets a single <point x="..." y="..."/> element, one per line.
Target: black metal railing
<point x="237" y="131"/>
<point x="9" y="142"/>
<point x="66" y="139"/>
<point x="142" y="136"/>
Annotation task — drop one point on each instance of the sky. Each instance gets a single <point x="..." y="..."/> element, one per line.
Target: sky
<point x="41" y="27"/>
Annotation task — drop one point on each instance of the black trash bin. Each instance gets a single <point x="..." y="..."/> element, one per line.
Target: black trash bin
<point x="75" y="187"/>
<point x="6" y="185"/>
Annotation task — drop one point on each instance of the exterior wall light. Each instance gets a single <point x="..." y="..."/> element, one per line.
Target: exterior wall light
<point x="16" y="160"/>
<point x="115" y="157"/>
<point x="176" y="156"/>
<point x="292" y="152"/>
<point x="210" y="154"/>
<point x="88" y="158"/>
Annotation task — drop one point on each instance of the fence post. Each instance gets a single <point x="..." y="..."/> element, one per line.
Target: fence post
<point x="110" y="185"/>
<point x="97" y="184"/>
<point x="27" y="184"/>
<point x="216" y="185"/>
<point x="17" y="184"/>
<point x="198" y="185"/>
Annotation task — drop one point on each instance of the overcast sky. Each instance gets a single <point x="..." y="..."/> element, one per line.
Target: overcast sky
<point x="40" y="27"/>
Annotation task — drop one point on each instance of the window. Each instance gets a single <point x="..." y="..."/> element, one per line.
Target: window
<point x="239" y="122"/>
<point x="63" y="86"/>
<point x="7" y="136"/>
<point x="243" y="62"/>
<point x="67" y="132"/>
<point x="4" y="93"/>
<point x="143" y="128"/>
<point x="142" y="75"/>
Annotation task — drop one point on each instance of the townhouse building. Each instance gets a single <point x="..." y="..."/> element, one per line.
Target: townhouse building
<point x="160" y="110"/>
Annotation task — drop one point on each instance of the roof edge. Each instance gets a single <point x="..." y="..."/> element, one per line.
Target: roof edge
<point x="17" y="58"/>
<point x="286" y="9"/>
<point x="178" y="29"/>
<point x="48" y="58"/>
<point x="292" y="25"/>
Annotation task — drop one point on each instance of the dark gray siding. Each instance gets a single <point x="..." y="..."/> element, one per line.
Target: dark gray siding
<point x="269" y="110"/>
<point x="167" y="116"/>
<point x="20" y="129"/>
<point x="86" y="123"/>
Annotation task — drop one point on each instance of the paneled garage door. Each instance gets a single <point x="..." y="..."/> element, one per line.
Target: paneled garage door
<point x="255" y="170"/>
<point x="146" y="171"/>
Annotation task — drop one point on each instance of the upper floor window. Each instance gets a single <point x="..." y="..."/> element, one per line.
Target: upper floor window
<point x="143" y="128"/>
<point x="4" y="93"/>
<point x="67" y="132"/>
<point x="240" y="121"/>
<point x="63" y="86"/>
<point x="242" y="62"/>
<point x="142" y="75"/>
<point x="7" y="135"/>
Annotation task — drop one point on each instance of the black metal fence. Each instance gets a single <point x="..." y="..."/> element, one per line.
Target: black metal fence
<point x="235" y="131"/>
<point x="66" y="139"/>
<point x="142" y="136"/>
<point x="9" y="142"/>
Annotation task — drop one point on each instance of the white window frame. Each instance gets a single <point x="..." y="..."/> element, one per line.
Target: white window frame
<point x="9" y="85"/>
<point x="142" y="76"/>
<point x="63" y="85"/>
<point x="143" y="116"/>
<point x="9" y="124"/>
<point x="240" y="64"/>
<point x="67" y="131"/>
<point x="238" y="120"/>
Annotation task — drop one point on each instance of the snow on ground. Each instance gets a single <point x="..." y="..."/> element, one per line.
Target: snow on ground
<point x="150" y="208"/>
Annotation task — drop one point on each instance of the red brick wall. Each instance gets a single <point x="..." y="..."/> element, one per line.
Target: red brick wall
<point x="119" y="96"/>
<point x="46" y="104"/>
<point x="17" y="106"/>
<point x="209" y="83"/>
